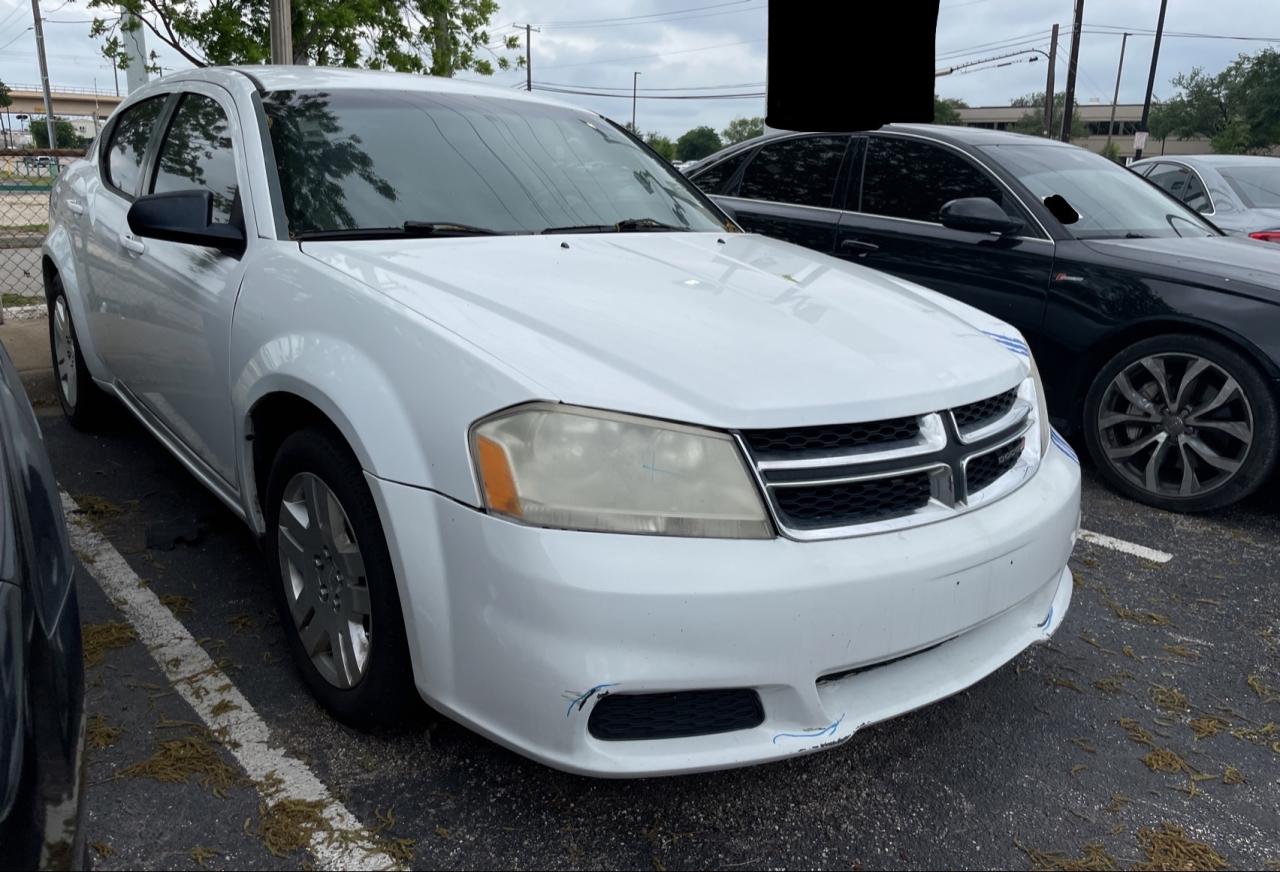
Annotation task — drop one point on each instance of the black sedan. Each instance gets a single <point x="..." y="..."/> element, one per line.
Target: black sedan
<point x="1158" y="337"/>
<point x="41" y="671"/>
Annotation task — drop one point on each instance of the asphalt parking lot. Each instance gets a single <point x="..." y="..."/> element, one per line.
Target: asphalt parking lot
<point x="1146" y="733"/>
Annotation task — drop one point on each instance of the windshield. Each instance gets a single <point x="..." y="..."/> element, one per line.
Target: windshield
<point x="353" y="160"/>
<point x="1111" y="201"/>
<point x="1258" y="186"/>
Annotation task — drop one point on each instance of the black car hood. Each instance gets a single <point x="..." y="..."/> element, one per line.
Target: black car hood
<point x="1244" y="266"/>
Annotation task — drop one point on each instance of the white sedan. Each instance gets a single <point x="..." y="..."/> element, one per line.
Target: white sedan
<point x="529" y="426"/>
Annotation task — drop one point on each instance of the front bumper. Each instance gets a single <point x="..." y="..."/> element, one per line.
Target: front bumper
<point x="518" y="631"/>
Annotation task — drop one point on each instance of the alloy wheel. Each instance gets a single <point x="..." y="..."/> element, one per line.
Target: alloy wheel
<point x="324" y="580"/>
<point x="64" y="351"/>
<point x="1175" y="424"/>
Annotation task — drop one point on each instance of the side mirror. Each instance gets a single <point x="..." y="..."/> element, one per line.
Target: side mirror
<point x="184" y="216"/>
<point x="978" y="215"/>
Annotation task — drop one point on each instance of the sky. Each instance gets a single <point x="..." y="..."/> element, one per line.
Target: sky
<point x="705" y="47"/>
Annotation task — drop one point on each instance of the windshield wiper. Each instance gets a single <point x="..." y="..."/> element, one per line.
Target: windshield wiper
<point x="414" y="229"/>
<point x="626" y="225"/>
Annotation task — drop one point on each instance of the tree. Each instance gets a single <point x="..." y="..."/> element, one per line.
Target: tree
<point x="1032" y="122"/>
<point x="742" y="129"/>
<point x="946" y="109"/>
<point x="697" y="143"/>
<point x="1111" y="151"/>
<point x="662" y="145"/>
<point x="439" y="37"/>
<point x="5" y="102"/>
<point x="63" y="129"/>
<point x="1238" y="109"/>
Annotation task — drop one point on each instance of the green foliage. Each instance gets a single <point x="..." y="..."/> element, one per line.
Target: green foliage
<point x="945" y="109"/>
<point x="439" y="37"/>
<point x="697" y="143"/>
<point x="662" y="145"/>
<point x="1032" y="122"/>
<point x="741" y="129"/>
<point x="5" y="100"/>
<point x="1238" y="109"/>
<point x="1111" y="151"/>
<point x="63" y="130"/>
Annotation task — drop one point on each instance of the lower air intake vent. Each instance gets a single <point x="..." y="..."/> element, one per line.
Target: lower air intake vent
<point x="631" y="716"/>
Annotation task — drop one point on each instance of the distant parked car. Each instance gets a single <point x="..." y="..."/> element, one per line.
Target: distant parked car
<point x="1157" y="336"/>
<point x="1239" y="192"/>
<point x="41" y="670"/>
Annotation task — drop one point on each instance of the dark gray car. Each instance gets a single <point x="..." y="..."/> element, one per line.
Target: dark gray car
<point x="1238" y="192"/>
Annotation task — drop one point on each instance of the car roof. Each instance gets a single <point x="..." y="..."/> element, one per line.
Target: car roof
<point x="1217" y="160"/>
<point x="269" y="77"/>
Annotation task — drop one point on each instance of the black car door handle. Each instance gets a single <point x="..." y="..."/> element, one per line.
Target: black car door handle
<point x="859" y="245"/>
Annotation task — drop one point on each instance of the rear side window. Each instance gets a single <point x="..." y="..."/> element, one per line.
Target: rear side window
<point x="129" y="139"/>
<point x="713" y="179"/>
<point x="197" y="154"/>
<point x="906" y="178"/>
<point x="800" y="171"/>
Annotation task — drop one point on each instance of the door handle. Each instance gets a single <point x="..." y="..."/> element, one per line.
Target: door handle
<point x="75" y="207"/>
<point x="131" y="245"/>
<point x="859" y="245"/>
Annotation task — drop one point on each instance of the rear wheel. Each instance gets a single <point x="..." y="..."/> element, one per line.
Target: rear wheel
<point x="1182" y="422"/>
<point x="336" y="590"/>
<point x="82" y="400"/>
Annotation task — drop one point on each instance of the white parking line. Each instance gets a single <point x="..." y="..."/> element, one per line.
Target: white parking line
<point x="205" y="687"/>
<point x="1126" y="547"/>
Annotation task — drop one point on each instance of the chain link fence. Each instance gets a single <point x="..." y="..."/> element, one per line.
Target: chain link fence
<point x="25" y="179"/>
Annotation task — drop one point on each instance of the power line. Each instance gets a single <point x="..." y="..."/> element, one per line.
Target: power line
<point x="584" y="22"/>
<point x="538" y="87"/>
<point x="628" y="90"/>
<point x="1116" y="30"/>
<point x="648" y="56"/>
<point x="995" y="45"/>
<point x="683" y="16"/>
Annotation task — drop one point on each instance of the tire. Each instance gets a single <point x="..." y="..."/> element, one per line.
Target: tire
<point x="83" y="402"/>
<point x="363" y="678"/>
<point x="1216" y="411"/>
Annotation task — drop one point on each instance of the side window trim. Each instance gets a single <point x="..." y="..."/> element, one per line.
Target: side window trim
<point x="146" y="177"/>
<point x="107" y="136"/>
<point x="1208" y="194"/>
<point x="1042" y="236"/>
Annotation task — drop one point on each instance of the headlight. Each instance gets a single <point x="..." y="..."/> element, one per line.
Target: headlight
<point x="1042" y="407"/>
<point x="582" y="469"/>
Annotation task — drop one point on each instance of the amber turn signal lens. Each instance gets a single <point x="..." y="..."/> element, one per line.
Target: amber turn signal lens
<point x="496" y="478"/>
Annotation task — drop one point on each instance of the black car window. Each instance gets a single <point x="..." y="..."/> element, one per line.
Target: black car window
<point x="129" y="139"/>
<point x="801" y="171"/>
<point x="197" y="154"/>
<point x="907" y="178"/>
<point x="714" y="178"/>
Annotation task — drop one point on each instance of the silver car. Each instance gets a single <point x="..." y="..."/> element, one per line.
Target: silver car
<point x="1238" y="192"/>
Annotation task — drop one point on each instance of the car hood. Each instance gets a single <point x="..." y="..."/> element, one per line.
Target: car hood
<point x="731" y="330"/>
<point x="1232" y="263"/>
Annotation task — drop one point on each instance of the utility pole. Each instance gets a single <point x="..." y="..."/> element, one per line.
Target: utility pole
<point x="1116" y="96"/>
<point x="1048" y="85"/>
<point x="634" y="76"/>
<point x="528" y="58"/>
<point x="1140" y="138"/>
<point x="1069" y="103"/>
<point x="44" y="73"/>
<point x="281" y="25"/>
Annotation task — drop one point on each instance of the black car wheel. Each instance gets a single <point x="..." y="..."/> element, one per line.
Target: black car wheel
<point x="336" y="589"/>
<point x="82" y="400"/>
<point x="1183" y="423"/>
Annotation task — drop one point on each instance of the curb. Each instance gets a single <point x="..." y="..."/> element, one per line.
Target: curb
<point x="25" y="313"/>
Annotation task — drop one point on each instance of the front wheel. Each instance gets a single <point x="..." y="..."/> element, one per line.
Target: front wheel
<point x="1182" y="422"/>
<point x="336" y="589"/>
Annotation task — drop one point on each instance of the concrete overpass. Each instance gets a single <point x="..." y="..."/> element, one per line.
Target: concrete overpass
<point x="67" y="102"/>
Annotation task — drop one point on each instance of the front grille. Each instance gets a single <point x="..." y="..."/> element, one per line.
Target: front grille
<point x="834" y="437"/>
<point x="631" y="716"/>
<point x="983" y="412"/>
<point x="852" y="479"/>
<point x="855" y="502"/>
<point x="986" y="468"/>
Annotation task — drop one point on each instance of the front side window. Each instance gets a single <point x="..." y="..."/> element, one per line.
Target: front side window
<point x="1111" y="202"/>
<point x="801" y="171"/>
<point x="907" y="178"/>
<point x="129" y="139"/>
<point x="197" y="154"/>
<point x="379" y="160"/>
